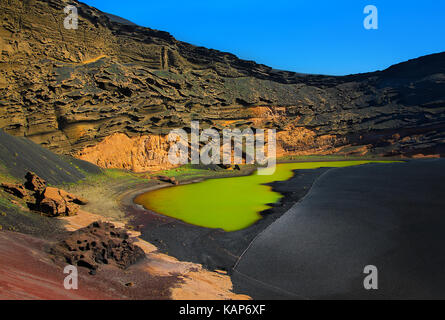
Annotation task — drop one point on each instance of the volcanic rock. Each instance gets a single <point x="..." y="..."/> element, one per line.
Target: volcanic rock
<point x="17" y="190"/>
<point x="174" y="181"/>
<point x="34" y="182"/>
<point x="57" y="202"/>
<point x="97" y="244"/>
<point x="110" y="92"/>
<point x="49" y="200"/>
<point x="171" y="180"/>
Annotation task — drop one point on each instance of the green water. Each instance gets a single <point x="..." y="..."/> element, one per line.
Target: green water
<point x="227" y="203"/>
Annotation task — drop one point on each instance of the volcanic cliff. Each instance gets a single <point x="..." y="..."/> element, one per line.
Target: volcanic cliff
<point x="110" y="91"/>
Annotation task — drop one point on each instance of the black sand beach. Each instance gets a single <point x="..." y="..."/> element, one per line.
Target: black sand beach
<point x="388" y="215"/>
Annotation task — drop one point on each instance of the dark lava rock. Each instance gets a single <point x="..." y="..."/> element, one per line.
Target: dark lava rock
<point x="97" y="244"/>
<point x="171" y="180"/>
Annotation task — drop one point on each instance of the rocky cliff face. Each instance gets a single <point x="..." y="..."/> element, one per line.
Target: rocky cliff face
<point x="109" y="91"/>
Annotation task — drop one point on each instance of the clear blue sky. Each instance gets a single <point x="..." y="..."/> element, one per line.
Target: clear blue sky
<point x="310" y="36"/>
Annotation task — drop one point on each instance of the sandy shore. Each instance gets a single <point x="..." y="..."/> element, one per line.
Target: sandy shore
<point x="192" y="280"/>
<point x="27" y="271"/>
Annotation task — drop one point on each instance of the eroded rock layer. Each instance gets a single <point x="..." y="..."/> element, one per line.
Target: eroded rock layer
<point x="109" y="91"/>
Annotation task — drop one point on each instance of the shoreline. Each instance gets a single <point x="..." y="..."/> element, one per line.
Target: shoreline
<point x="157" y="276"/>
<point x="215" y="249"/>
<point x="324" y="242"/>
<point x="124" y="199"/>
<point x="199" y="255"/>
<point x="182" y="261"/>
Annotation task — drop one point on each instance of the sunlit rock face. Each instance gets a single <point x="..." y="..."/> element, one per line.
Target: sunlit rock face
<point x="138" y="153"/>
<point x="70" y="90"/>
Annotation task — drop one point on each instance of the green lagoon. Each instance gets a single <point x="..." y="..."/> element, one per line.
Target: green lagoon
<point x="227" y="203"/>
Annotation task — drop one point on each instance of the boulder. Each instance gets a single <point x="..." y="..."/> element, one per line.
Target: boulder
<point x="52" y="201"/>
<point x="171" y="180"/>
<point x="56" y="202"/>
<point x="73" y="198"/>
<point x="174" y="181"/>
<point x="97" y="244"/>
<point x="34" y="182"/>
<point x="16" y="189"/>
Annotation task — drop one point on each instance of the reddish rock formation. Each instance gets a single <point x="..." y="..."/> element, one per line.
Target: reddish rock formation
<point x="99" y="243"/>
<point x="28" y="272"/>
<point x="17" y="190"/>
<point x="34" y="182"/>
<point x="138" y="154"/>
<point x="49" y="200"/>
<point x="57" y="202"/>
